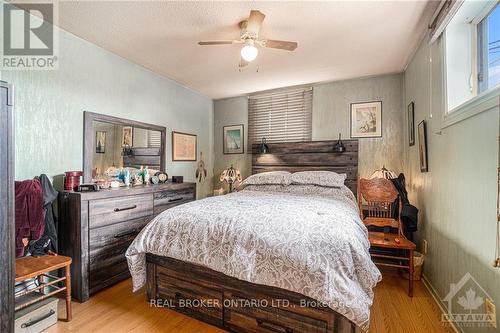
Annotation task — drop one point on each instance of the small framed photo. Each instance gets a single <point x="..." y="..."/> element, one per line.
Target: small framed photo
<point x="422" y="146"/>
<point x="183" y="146"/>
<point x="411" y="124"/>
<point x="366" y="120"/>
<point x="127" y="136"/>
<point x="100" y="142"/>
<point x="233" y="139"/>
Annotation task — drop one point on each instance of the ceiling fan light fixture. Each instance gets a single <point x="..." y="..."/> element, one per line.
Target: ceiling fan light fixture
<point x="249" y="52"/>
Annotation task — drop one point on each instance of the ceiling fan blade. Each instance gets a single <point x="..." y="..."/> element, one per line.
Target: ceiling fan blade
<point x="279" y="44"/>
<point x="218" y="42"/>
<point x="254" y="22"/>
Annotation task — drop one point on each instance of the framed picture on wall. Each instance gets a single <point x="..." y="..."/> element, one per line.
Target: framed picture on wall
<point x="422" y="146"/>
<point x="366" y="120"/>
<point x="183" y="146"/>
<point x="100" y="142"/>
<point x="233" y="139"/>
<point x="127" y="136"/>
<point x="411" y="123"/>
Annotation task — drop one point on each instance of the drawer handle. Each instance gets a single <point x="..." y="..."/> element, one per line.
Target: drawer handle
<point x="125" y="208"/>
<point x="175" y="199"/>
<point x="127" y="233"/>
<point x="273" y="327"/>
<point x="36" y="321"/>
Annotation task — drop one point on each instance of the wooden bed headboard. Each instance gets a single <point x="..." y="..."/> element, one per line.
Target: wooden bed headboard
<point x="309" y="156"/>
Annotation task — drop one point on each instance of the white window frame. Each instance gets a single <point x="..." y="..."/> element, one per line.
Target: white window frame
<point x="480" y="102"/>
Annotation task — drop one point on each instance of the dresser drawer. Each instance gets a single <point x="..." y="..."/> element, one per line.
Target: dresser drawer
<point x="108" y="211"/>
<point x="168" y="199"/>
<point x="107" y="248"/>
<point x="197" y="301"/>
<point x="240" y="316"/>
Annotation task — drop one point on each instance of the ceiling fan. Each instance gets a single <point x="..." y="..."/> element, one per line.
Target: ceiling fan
<point x="249" y="36"/>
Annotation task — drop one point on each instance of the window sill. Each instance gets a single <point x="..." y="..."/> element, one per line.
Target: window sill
<point x="483" y="102"/>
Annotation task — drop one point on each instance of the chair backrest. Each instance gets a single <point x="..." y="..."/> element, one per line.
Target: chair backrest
<point x="376" y="198"/>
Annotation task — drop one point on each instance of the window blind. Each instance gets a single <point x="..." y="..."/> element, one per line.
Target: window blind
<point x="284" y="116"/>
<point x="154" y="139"/>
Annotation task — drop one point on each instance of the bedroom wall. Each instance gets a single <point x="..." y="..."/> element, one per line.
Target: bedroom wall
<point x="331" y="115"/>
<point x="457" y="197"/>
<point x="49" y="109"/>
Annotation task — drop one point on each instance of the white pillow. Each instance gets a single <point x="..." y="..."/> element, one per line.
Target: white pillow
<point x="268" y="178"/>
<point x="321" y="178"/>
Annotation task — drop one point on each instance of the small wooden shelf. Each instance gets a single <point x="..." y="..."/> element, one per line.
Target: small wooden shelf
<point x="48" y="284"/>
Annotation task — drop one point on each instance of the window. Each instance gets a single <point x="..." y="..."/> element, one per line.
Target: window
<point x="284" y="116"/>
<point x="472" y="51"/>
<point x="489" y="50"/>
<point x="154" y="139"/>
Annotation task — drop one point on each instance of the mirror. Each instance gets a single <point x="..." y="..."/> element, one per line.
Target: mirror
<point x="111" y="144"/>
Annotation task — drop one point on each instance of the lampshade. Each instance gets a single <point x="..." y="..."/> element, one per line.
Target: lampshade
<point x="230" y="176"/>
<point x="383" y="173"/>
<point x="339" y="147"/>
<point x="263" y="147"/>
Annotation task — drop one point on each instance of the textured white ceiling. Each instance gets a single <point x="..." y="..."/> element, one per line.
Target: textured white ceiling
<point x="337" y="40"/>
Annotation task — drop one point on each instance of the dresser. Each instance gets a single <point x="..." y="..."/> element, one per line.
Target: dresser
<point x="96" y="228"/>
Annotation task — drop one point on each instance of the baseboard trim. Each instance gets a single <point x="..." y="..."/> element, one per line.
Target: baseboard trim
<point x="439" y="303"/>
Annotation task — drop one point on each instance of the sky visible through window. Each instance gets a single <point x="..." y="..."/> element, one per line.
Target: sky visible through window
<point x="494" y="47"/>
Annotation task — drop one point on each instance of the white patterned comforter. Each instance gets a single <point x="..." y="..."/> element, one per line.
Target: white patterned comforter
<point x="305" y="239"/>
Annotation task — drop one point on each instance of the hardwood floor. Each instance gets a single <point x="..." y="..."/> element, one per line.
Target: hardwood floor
<point x="117" y="309"/>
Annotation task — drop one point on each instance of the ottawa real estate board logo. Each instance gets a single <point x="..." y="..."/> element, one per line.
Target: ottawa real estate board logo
<point x="469" y="305"/>
<point x="30" y="41"/>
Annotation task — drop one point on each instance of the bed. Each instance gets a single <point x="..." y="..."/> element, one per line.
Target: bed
<point x="269" y="258"/>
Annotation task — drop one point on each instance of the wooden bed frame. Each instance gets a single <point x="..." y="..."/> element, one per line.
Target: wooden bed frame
<point x="241" y="306"/>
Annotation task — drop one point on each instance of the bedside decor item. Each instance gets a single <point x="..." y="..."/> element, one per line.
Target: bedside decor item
<point x="231" y="176"/>
<point x="383" y="173"/>
<point x="339" y="146"/>
<point x="263" y="147"/>
<point x="177" y="179"/>
<point x="162" y="176"/>
<point x="183" y="147"/>
<point x="201" y="172"/>
<point x="422" y="146"/>
<point x="127" y="136"/>
<point x="366" y="120"/>
<point x="233" y="139"/>
<point x="411" y="123"/>
<point x="100" y="142"/>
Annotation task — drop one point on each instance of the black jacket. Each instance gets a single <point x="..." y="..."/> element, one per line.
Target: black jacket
<point x="48" y="241"/>
<point x="409" y="213"/>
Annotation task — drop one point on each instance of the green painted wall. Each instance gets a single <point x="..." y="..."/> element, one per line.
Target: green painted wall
<point x="331" y="116"/>
<point x="457" y="197"/>
<point x="49" y="108"/>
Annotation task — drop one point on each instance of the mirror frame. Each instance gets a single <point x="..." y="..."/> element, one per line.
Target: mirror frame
<point x="88" y="135"/>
